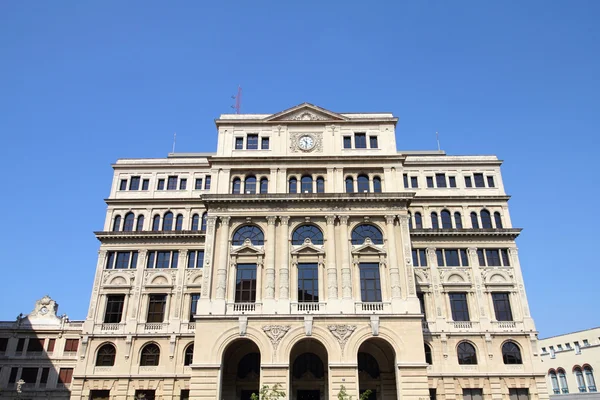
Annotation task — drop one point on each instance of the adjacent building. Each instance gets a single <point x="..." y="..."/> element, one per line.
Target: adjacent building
<point x="308" y="252"/>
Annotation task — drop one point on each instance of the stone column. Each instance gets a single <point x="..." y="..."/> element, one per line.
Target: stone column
<point x="346" y="275"/>
<point x="223" y="258"/>
<point x="284" y="266"/>
<point x="270" y="259"/>
<point x="209" y="243"/>
<point x="332" y="285"/>
<point x="394" y="270"/>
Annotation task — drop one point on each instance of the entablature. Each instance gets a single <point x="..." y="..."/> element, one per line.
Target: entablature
<point x="511" y="233"/>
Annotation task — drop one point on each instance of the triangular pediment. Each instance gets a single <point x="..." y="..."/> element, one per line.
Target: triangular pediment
<point x="306" y="112"/>
<point x="368" y="248"/>
<point x="247" y="250"/>
<point x="308" y="248"/>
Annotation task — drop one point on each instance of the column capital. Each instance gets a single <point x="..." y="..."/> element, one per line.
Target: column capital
<point x="225" y="220"/>
<point x="343" y="219"/>
<point x="284" y="220"/>
<point x="431" y="251"/>
<point x="472" y="251"/>
<point x="330" y="219"/>
<point x="211" y="220"/>
<point x="271" y="219"/>
<point x="389" y="219"/>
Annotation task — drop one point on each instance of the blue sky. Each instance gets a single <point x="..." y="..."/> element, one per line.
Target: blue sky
<point x="83" y="84"/>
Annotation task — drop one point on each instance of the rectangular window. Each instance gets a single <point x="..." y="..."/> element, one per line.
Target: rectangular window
<point x="71" y="345"/>
<point x="264" y="143"/>
<point x="185" y="394"/>
<point x="156" y="307"/>
<point x="568" y="346"/>
<point x="370" y="284"/>
<point x="430" y="181"/>
<point x="252" y="142"/>
<point x="308" y="283"/>
<point x="479" y="182"/>
<point x="577" y="348"/>
<point x="472" y="394"/>
<point x="182" y="184"/>
<point x="134" y="184"/>
<point x="198" y="184"/>
<point x="207" y="182"/>
<point x="35" y="345"/>
<point x="195" y="259"/>
<point x="100" y="395"/>
<point x="20" y="344"/>
<point x="518" y="394"/>
<point x="121" y="260"/>
<point x="459" y="306"/>
<point x="3" y="344"/>
<point x="44" y="377"/>
<point x="347" y="142"/>
<point x="405" y="181"/>
<point x="360" y="141"/>
<point x="452" y="257"/>
<point x="239" y="143"/>
<point x="114" y="308"/>
<point x="163" y="259"/>
<point x="440" y="180"/>
<point x="29" y="375"/>
<point x="145" y="184"/>
<point x="468" y="182"/>
<point x="432" y="394"/>
<point x="421" y="297"/>
<point x="123" y="184"/>
<point x="13" y="375"/>
<point x="373" y="142"/>
<point x="490" y="181"/>
<point x="65" y="376"/>
<point x="560" y="348"/>
<point x="586" y="343"/>
<point x="172" y="183"/>
<point x="419" y="257"/>
<point x="414" y="182"/>
<point x="245" y="283"/>
<point x="493" y="257"/>
<point x="194" y="297"/>
<point x="452" y="181"/>
<point x="502" y="307"/>
<point x="160" y="185"/>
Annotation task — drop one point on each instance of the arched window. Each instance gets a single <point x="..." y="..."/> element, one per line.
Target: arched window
<point x="249" y="364"/>
<point x="189" y="355"/>
<point x="129" y="220"/>
<point x="179" y="222"/>
<point x="156" y="223"/>
<point x="116" y="224"/>
<point x="446" y="219"/>
<point x="236" y="185"/>
<point x="498" y="220"/>
<point x="264" y="186"/>
<point x="106" y="356"/>
<point x="367" y="363"/>
<point x="474" y="221"/>
<point x="304" y="232"/>
<point x="250" y="185"/>
<point x="306" y="184"/>
<point x="458" y="220"/>
<point x="140" y="223"/>
<point x="308" y="362"/>
<point x="377" y="184"/>
<point x="251" y="232"/>
<point x="554" y="381"/>
<point x="293" y="185"/>
<point x="349" y="184"/>
<point x="418" y="221"/>
<point x="204" y="219"/>
<point x="195" y="222"/>
<point x="150" y="355"/>
<point x="363" y="183"/>
<point x="589" y="376"/>
<point x="486" y="219"/>
<point x="511" y="354"/>
<point x="428" y="356"/>
<point x="168" y="221"/>
<point x="364" y="231"/>
<point x="562" y="378"/>
<point x="466" y="354"/>
<point x="435" y="224"/>
<point x="320" y="184"/>
<point x="579" y="379"/>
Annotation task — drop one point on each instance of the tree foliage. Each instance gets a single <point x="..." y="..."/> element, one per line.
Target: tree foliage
<point x="267" y="393"/>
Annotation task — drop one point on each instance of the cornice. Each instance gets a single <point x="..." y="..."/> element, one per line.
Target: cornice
<point x="354" y="121"/>
<point x="449" y="161"/>
<point x="215" y="199"/>
<point x="106" y="235"/>
<point x="511" y="233"/>
<point x="462" y="198"/>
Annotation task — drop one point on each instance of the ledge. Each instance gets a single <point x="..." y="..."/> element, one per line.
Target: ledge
<point x="100" y="235"/>
<point x="307" y="197"/>
<point x="510" y="233"/>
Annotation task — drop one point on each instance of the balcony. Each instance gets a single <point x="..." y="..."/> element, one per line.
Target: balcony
<point x="375" y="307"/>
<point x="188" y="327"/>
<point x="464" y="325"/>
<point x="111" y="327"/>
<point x="151" y="327"/>
<point x="69" y="354"/>
<point x="307" y="308"/>
<point x="507" y="326"/>
<point x="244" y="308"/>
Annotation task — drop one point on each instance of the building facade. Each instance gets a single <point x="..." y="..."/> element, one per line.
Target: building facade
<point x="308" y="253"/>
<point x="38" y="354"/>
<point x="569" y="361"/>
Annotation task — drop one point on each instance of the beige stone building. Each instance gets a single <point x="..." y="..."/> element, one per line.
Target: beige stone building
<point x="569" y="361"/>
<point x="308" y="252"/>
<point x="38" y="354"/>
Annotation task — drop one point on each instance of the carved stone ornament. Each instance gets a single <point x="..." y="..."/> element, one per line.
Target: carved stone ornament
<point x="375" y="325"/>
<point x="275" y="333"/>
<point x="342" y="332"/>
<point x="243" y="325"/>
<point x="306" y="116"/>
<point x="317" y="138"/>
<point x="308" y="325"/>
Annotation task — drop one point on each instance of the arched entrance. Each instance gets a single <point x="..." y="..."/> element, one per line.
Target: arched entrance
<point x="309" y="367"/>
<point x="376" y="369"/>
<point x="240" y="376"/>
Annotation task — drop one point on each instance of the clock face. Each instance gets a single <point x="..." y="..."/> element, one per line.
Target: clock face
<point x="43" y="310"/>
<point x="306" y="142"/>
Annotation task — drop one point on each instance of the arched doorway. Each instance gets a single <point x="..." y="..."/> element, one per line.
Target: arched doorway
<point x="309" y="367"/>
<point x="240" y="376"/>
<point x="376" y="369"/>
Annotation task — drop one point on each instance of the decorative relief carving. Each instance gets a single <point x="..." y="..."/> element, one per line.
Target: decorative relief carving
<point x="318" y="142"/>
<point x="306" y="116"/>
<point x="342" y="333"/>
<point x="275" y="333"/>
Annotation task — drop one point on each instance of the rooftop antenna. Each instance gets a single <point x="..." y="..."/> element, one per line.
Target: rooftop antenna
<point x="174" y="139"/>
<point x="437" y="135"/>
<point x="238" y="100"/>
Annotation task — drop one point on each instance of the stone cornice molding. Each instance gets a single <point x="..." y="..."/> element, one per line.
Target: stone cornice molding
<point x="510" y="233"/>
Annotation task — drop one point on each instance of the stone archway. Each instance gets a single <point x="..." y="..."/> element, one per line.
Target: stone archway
<point x="309" y="371"/>
<point x="240" y="375"/>
<point x="376" y="369"/>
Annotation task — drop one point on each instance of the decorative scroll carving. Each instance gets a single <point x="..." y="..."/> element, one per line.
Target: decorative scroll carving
<point x="306" y="116"/>
<point x="275" y="333"/>
<point x="375" y="325"/>
<point x="342" y="333"/>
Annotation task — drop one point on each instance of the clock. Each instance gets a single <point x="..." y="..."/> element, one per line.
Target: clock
<point x="306" y="142"/>
<point x="43" y="310"/>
